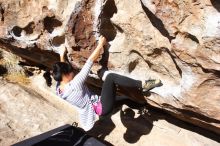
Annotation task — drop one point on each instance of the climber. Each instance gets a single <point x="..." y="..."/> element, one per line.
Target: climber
<point x="72" y="88"/>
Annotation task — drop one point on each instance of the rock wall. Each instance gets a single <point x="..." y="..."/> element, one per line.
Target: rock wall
<point x="23" y="114"/>
<point x="176" y="41"/>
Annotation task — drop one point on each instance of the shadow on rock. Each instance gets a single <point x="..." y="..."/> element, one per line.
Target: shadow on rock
<point x="136" y="127"/>
<point x="102" y="128"/>
<point x="107" y="27"/>
<point x="216" y="4"/>
<point x="157" y="23"/>
<point x="141" y="123"/>
<point x="3" y="70"/>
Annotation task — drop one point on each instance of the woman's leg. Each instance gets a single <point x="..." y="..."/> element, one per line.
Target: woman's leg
<point x="109" y="89"/>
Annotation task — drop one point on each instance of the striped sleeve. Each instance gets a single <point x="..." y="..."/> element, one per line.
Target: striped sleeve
<point x="80" y="78"/>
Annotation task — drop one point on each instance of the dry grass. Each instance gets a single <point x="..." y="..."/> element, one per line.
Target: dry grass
<point x="15" y="73"/>
<point x="17" y="78"/>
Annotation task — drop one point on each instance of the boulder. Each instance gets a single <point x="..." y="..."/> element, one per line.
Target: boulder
<point x="29" y="110"/>
<point x="23" y="114"/>
<point x="176" y="41"/>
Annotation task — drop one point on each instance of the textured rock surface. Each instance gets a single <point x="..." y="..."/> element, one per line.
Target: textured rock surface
<point x="176" y="41"/>
<point x="23" y="115"/>
<point x="153" y="128"/>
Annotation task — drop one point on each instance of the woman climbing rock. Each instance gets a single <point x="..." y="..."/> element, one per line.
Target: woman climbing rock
<point x="72" y="88"/>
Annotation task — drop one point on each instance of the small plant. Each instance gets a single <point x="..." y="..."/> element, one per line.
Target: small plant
<point x="10" y="70"/>
<point x="17" y="78"/>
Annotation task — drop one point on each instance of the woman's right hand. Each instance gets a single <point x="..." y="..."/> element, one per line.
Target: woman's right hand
<point x="95" y="54"/>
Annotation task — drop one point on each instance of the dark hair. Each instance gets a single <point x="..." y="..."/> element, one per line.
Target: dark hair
<point x="61" y="68"/>
<point x="47" y="77"/>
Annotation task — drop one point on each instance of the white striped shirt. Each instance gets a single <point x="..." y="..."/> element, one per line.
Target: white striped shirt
<point x="78" y="94"/>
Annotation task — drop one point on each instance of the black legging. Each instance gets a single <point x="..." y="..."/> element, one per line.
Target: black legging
<point x="109" y="88"/>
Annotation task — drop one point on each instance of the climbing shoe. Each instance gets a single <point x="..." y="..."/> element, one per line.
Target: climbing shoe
<point x="150" y="84"/>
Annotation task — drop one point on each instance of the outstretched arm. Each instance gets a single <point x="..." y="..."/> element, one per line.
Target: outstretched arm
<point x="62" y="53"/>
<point x="82" y="75"/>
<point x="95" y="54"/>
<point x="93" y="57"/>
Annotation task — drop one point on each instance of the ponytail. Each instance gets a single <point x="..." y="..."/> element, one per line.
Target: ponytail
<point x="47" y="77"/>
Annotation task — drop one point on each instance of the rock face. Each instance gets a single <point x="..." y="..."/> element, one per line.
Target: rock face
<point x="23" y="115"/>
<point x="176" y="41"/>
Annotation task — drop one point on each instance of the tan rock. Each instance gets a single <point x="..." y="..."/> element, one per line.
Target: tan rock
<point x="27" y="112"/>
<point x="176" y="41"/>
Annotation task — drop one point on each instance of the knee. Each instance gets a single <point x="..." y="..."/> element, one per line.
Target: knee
<point x="110" y="76"/>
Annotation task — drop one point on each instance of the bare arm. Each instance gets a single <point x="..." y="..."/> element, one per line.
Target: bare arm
<point x="62" y="53"/>
<point x="82" y="75"/>
<point x="93" y="57"/>
<point x="62" y="59"/>
<point x="95" y="54"/>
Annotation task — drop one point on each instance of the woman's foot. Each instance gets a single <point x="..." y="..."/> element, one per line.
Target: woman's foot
<point x="150" y="84"/>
